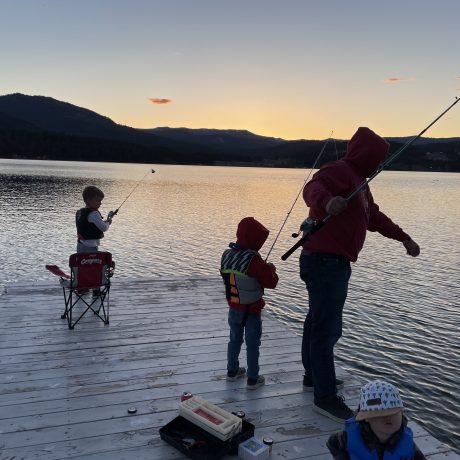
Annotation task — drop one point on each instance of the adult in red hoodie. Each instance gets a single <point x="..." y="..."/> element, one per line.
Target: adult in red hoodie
<point x="325" y="259"/>
<point x="245" y="276"/>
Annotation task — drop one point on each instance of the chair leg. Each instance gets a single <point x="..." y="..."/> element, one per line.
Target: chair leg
<point x="68" y="309"/>
<point x="66" y="302"/>
<point x="108" y="304"/>
<point x="69" y="313"/>
<point x="74" y="296"/>
<point x="104" y="294"/>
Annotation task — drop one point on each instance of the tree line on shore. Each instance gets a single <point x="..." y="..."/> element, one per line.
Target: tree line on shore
<point x="37" y="127"/>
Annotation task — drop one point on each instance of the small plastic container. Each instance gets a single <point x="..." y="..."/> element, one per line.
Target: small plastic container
<point x="253" y="449"/>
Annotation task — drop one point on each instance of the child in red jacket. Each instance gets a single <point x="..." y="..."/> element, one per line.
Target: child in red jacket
<point x="245" y="276"/>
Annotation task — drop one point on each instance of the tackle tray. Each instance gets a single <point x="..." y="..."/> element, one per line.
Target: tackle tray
<point x="198" y="444"/>
<point x="211" y="418"/>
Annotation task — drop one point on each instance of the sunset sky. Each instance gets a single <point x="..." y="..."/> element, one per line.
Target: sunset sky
<point x="287" y="68"/>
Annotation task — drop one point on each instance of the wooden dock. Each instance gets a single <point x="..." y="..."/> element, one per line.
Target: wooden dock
<point x="65" y="393"/>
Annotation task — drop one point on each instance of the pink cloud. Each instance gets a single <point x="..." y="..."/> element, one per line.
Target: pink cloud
<point x="458" y="77"/>
<point x="155" y="100"/>
<point x="393" y="80"/>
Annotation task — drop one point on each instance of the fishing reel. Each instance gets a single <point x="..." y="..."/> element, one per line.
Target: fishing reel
<point x="306" y="227"/>
<point x="111" y="214"/>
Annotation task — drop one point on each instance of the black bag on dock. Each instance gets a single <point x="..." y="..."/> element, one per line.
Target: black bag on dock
<point x="198" y="444"/>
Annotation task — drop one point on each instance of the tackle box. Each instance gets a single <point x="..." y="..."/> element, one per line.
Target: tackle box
<point x="216" y="421"/>
<point x="198" y="444"/>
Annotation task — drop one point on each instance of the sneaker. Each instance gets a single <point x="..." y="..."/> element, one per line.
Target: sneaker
<point x="253" y="384"/>
<point x="308" y="383"/>
<point x="232" y="376"/>
<point x="334" y="408"/>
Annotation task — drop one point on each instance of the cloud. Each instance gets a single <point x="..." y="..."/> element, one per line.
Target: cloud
<point x="160" y="101"/>
<point x="393" y="80"/>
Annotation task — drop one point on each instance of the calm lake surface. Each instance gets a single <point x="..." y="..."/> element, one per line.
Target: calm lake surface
<point x="402" y="314"/>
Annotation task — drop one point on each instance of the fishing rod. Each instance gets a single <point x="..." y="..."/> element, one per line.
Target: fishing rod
<point x="300" y="191"/>
<point x="309" y="226"/>
<point x="114" y="213"/>
<point x="301" y="229"/>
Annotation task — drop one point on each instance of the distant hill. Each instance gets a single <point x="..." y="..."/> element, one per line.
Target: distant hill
<point x="51" y="115"/>
<point x="45" y="128"/>
<point x="9" y="122"/>
<point x="218" y="138"/>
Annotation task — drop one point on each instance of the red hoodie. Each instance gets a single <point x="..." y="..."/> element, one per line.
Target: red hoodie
<point x="251" y="234"/>
<point x="345" y="233"/>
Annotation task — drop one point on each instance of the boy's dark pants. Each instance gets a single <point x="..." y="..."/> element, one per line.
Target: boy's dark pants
<point x="250" y="326"/>
<point x="326" y="277"/>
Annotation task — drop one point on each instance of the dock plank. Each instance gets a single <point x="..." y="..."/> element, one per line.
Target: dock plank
<point x="65" y="393"/>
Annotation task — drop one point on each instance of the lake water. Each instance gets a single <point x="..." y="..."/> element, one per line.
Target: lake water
<point x="402" y="314"/>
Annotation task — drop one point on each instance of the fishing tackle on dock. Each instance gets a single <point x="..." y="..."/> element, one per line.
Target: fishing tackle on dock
<point x="114" y="213"/>
<point x="300" y="191"/>
<point x="308" y="226"/>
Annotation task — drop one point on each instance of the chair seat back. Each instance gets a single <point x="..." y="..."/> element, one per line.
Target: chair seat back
<point x="91" y="269"/>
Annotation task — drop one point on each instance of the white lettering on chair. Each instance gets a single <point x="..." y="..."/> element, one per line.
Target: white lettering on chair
<point x="91" y="261"/>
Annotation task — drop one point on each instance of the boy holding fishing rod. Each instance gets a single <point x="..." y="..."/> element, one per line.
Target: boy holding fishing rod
<point x="326" y="256"/>
<point x="245" y="275"/>
<point x="90" y="224"/>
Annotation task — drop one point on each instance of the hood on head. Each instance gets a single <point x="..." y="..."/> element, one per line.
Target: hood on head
<point x="251" y="234"/>
<point x="365" y="151"/>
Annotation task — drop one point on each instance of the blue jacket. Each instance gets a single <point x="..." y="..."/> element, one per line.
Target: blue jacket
<point x="358" y="450"/>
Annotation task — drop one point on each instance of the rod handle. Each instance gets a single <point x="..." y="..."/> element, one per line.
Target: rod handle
<point x="295" y="247"/>
<point x="306" y="236"/>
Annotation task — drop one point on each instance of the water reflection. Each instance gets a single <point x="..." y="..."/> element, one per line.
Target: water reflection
<point x="401" y="317"/>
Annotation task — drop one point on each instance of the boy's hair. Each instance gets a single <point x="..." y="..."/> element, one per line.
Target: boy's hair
<point x="91" y="192"/>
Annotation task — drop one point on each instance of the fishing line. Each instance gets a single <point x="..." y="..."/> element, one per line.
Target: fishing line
<point x="306" y="222"/>
<point x="313" y="227"/>
<point x="336" y="151"/>
<point x="114" y="213"/>
<point x="300" y="191"/>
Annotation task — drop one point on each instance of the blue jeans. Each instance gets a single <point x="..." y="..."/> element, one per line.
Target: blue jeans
<point x="82" y="248"/>
<point x="251" y="327"/>
<point x="326" y="277"/>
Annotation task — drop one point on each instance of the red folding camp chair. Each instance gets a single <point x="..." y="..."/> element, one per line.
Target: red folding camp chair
<point x="88" y="272"/>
